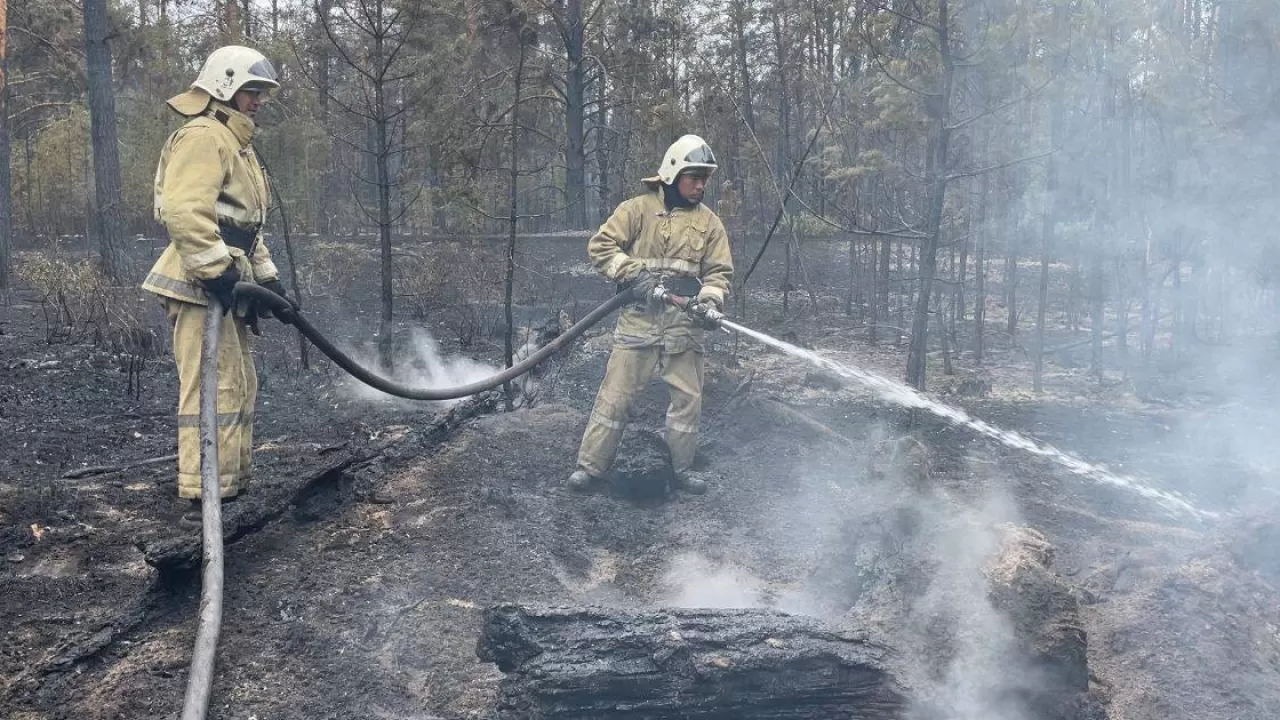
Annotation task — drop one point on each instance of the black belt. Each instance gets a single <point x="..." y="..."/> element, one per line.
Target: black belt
<point x="238" y="237"/>
<point x="683" y="286"/>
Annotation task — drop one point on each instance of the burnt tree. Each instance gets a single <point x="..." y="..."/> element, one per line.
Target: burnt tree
<point x="6" y="180"/>
<point x="107" y="223"/>
<point x="683" y="664"/>
<point x="370" y="37"/>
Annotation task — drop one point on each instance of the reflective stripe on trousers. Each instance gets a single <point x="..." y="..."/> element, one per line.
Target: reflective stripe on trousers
<point x="628" y="373"/>
<point x="237" y="393"/>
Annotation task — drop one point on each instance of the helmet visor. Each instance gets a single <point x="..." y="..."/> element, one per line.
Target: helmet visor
<point x="700" y="155"/>
<point x="264" y="70"/>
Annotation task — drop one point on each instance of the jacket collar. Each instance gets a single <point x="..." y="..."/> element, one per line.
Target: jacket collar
<point x="240" y="125"/>
<point x="658" y="198"/>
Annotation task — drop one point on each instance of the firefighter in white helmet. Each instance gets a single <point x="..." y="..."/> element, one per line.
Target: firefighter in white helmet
<point x="665" y="235"/>
<point x="212" y="196"/>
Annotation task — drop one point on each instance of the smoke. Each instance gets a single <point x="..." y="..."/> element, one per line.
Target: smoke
<point x="420" y="363"/>
<point x="697" y="582"/>
<point x="960" y="648"/>
<point x="892" y="554"/>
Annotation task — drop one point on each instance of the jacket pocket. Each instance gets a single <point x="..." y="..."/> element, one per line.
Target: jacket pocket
<point x="693" y="241"/>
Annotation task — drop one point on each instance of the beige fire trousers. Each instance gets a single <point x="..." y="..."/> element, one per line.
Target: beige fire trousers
<point x="628" y="373"/>
<point x="237" y="393"/>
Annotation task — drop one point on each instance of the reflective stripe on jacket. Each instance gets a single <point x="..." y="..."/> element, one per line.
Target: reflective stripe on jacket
<point x="208" y="175"/>
<point x="688" y="242"/>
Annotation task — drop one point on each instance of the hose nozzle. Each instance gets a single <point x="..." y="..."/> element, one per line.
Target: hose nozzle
<point x="705" y="313"/>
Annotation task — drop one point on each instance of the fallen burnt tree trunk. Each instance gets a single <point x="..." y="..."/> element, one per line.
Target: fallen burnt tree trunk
<point x="177" y="554"/>
<point x="590" y="663"/>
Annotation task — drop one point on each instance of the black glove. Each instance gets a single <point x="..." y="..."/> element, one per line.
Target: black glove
<point x="276" y="287"/>
<point x="642" y="285"/>
<point x="251" y="319"/>
<point x="699" y="311"/>
<point x="222" y="286"/>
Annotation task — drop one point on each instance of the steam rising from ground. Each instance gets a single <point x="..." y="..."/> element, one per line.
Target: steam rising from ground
<point x="420" y="363"/>
<point x="979" y="673"/>
<point x="698" y="582"/>
<point x="903" y="560"/>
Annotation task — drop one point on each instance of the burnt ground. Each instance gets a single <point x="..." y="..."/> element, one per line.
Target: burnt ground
<point x="383" y="533"/>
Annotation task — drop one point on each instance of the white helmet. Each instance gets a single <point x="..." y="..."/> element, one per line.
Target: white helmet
<point x="226" y="70"/>
<point x="688" y="153"/>
<point x="231" y="67"/>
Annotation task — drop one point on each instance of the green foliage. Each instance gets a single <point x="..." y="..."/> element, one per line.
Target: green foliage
<point x="1158" y="120"/>
<point x="52" y="175"/>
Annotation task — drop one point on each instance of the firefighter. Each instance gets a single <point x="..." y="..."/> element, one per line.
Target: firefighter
<point x="663" y="236"/>
<point x="212" y="196"/>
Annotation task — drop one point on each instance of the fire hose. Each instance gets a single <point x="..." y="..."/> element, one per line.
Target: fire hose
<point x="200" y="679"/>
<point x="285" y="310"/>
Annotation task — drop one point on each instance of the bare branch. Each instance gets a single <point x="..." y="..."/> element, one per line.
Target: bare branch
<point x="1001" y="166"/>
<point x="346" y="57"/>
<point x="886" y="8"/>
<point x="404" y="210"/>
<point x="1002" y="106"/>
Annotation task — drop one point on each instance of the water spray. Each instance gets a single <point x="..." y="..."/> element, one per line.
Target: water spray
<point x="906" y="396"/>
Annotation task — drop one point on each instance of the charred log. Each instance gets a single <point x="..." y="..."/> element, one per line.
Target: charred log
<point x="350" y="474"/>
<point x="579" y="663"/>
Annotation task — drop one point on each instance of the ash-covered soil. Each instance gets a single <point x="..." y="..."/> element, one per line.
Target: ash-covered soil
<point x="360" y="593"/>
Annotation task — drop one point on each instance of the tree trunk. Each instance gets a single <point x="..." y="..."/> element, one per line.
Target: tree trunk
<point x="1049" y="219"/>
<point x="1011" y="284"/>
<point x="6" y="181"/>
<point x="382" y="162"/>
<point x="944" y="340"/>
<point x="1179" y="306"/>
<point x="900" y="307"/>
<point x="980" y="265"/>
<point x="786" y="272"/>
<point x="873" y="289"/>
<point x="508" y="282"/>
<point x="962" y="274"/>
<point x="1096" y="307"/>
<point x="232" y="29"/>
<point x="562" y="663"/>
<point x="882" y="283"/>
<point x="575" y="116"/>
<point x="322" y="217"/>
<point x="606" y="145"/>
<point x="853" y="277"/>
<point x="741" y="19"/>
<point x="1122" y="316"/>
<point x="1150" y="307"/>
<point x="108" y="220"/>
<point x="940" y="109"/>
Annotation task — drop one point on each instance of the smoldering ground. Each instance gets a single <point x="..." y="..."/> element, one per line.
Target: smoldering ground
<point x="876" y="547"/>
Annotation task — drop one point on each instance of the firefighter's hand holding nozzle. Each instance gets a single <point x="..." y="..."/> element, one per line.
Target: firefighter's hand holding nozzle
<point x="705" y="313"/>
<point x="644" y="284"/>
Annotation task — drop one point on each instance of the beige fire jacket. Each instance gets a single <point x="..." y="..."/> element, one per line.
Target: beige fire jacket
<point x="688" y="242"/>
<point x="208" y="176"/>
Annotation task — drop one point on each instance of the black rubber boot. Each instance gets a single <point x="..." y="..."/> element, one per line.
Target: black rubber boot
<point x="194" y="516"/>
<point x="580" y="481"/>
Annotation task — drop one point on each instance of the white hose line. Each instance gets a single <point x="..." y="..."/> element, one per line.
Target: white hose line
<point x="200" y="676"/>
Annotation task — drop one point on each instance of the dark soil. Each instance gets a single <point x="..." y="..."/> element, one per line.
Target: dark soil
<point x="385" y="533"/>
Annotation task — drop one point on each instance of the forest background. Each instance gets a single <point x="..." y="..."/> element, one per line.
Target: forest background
<point x="1128" y="150"/>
